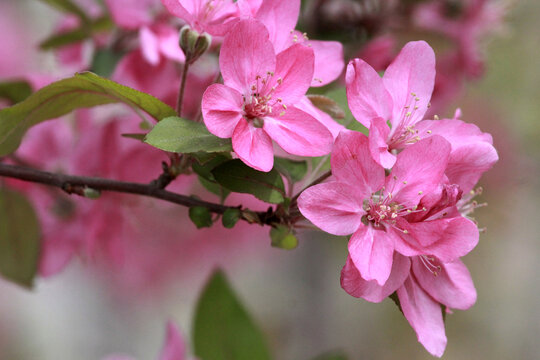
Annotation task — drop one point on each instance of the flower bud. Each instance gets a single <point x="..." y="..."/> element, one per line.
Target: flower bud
<point x="193" y="44"/>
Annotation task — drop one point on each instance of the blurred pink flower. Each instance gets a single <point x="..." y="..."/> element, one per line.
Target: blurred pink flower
<point x="256" y="104"/>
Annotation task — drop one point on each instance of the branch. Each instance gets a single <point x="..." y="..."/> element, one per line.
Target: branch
<point x="77" y="184"/>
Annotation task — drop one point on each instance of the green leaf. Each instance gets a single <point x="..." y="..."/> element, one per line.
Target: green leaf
<point x="59" y="98"/>
<point x="223" y="330"/>
<point x="179" y="135"/>
<point x="79" y="34"/>
<point x="328" y="105"/>
<point x="282" y="237"/>
<point x="214" y="188"/>
<point x="339" y="95"/>
<point x="19" y="238"/>
<point x="69" y="7"/>
<point x="15" y="91"/>
<point x="230" y="217"/>
<point x="104" y="62"/>
<point x="293" y="169"/>
<point x="237" y="176"/>
<point x="205" y="169"/>
<point x="200" y="216"/>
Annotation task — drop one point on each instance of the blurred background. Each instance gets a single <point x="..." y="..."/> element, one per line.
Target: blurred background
<point x="295" y="296"/>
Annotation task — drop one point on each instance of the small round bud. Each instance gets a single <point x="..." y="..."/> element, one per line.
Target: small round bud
<point x="91" y="193"/>
<point x="193" y="44"/>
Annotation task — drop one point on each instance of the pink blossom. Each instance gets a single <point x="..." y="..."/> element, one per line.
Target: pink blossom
<point x="214" y="17"/>
<point x="401" y="98"/>
<point x="392" y="208"/>
<point x="256" y="103"/>
<point x="160" y="40"/>
<point x="132" y="14"/>
<point x="174" y="347"/>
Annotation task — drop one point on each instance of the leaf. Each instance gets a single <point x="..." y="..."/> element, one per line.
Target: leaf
<point x="200" y="216"/>
<point x="214" y="188"/>
<point x="230" y="217"/>
<point x="293" y="169"/>
<point x="134" y="136"/>
<point x="79" y="34"/>
<point x="104" y="62"/>
<point x="339" y="95"/>
<point x="15" y="91"/>
<point x="326" y="104"/>
<point x="69" y="7"/>
<point x="205" y="169"/>
<point x="282" y="237"/>
<point x="223" y="330"/>
<point x="237" y="176"/>
<point x="179" y="135"/>
<point x="19" y="238"/>
<point x="59" y="98"/>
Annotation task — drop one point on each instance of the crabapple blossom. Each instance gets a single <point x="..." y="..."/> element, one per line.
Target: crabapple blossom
<point x="386" y="214"/>
<point x="256" y="103"/>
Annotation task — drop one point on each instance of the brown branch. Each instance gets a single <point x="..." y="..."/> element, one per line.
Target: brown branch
<point x="77" y="184"/>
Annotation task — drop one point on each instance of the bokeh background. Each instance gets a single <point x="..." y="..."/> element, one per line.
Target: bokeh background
<point x="295" y="296"/>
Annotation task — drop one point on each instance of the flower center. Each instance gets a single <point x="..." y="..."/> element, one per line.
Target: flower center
<point x="260" y="102"/>
<point x="405" y="133"/>
<point x="430" y="264"/>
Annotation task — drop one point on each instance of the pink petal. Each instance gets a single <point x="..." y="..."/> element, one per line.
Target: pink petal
<point x="366" y="93"/>
<point x="334" y="207"/>
<point x="353" y="283"/>
<point x="412" y="72"/>
<point x="425" y="316"/>
<point x="222" y="109"/>
<point x="130" y="14"/>
<point x="279" y="17"/>
<point x="353" y="164"/>
<point x="56" y="253"/>
<point x="333" y="126"/>
<point x="418" y="170"/>
<point x="149" y="46"/>
<point x="372" y="252"/>
<point x="378" y="133"/>
<point x="452" y="286"/>
<point x="241" y="61"/>
<point x="174" y="347"/>
<point x="184" y="9"/>
<point x="457" y="237"/>
<point x="253" y="146"/>
<point x="169" y="47"/>
<point x="329" y="61"/>
<point x="294" y="66"/>
<point x="299" y="133"/>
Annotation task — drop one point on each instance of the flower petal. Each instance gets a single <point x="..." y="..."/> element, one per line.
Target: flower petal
<point x="333" y="206"/>
<point x="299" y="133"/>
<point x="378" y="133"/>
<point x="294" y="66"/>
<point x="279" y="17"/>
<point x="452" y="286"/>
<point x="352" y="163"/>
<point x="242" y="61"/>
<point x="353" y="283"/>
<point x="372" y="253"/>
<point x="174" y="347"/>
<point x="253" y="146"/>
<point x="366" y="93"/>
<point x="222" y="109"/>
<point x="181" y="8"/>
<point x="412" y="72"/>
<point x="457" y="237"/>
<point x="425" y="316"/>
<point x="329" y="61"/>
<point x="333" y="126"/>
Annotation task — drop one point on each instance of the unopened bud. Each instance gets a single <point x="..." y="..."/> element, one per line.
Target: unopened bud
<point x="91" y="193"/>
<point x="193" y="44"/>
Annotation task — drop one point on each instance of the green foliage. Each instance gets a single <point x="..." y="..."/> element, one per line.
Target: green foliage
<point x="15" y="91"/>
<point x="85" y="31"/>
<point x="294" y="170"/>
<point x="238" y="177"/>
<point x="230" y="217"/>
<point x="204" y="166"/>
<point x="179" y="135"/>
<point x="69" y="7"/>
<point x="200" y="216"/>
<point x="328" y="105"/>
<point x="19" y="238"/>
<point x="104" y="62"/>
<point x="223" y="330"/>
<point x="339" y="95"/>
<point x="282" y="237"/>
<point x="62" y="97"/>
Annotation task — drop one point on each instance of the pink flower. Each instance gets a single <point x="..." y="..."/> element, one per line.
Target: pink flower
<point x="401" y="98"/>
<point x="160" y="40"/>
<point x="132" y="14"/>
<point x="392" y="208"/>
<point x="214" y="17"/>
<point x="257" y="102"/>
<point x="174" y="347"/>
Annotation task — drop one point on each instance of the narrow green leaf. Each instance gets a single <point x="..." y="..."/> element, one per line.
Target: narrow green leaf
<point x="223" y="330"/>
<point x="282" y="237"/>
<point x="81" y="91"/>
<point x="104" y="62"/>
<point x="238" y="177"/>
<point x="19" y="238"/>
<point x="214" y="188"/>
<point x="15" y="91"/>
<point x="179" y="135"/>
<point x="293" y="169"/>
<point x="200" y="216"/>
<point x="230" y="217"/>
<point x="69" y="7"/>
<point x="76" y="35"/>
<point x="134" y="136"/>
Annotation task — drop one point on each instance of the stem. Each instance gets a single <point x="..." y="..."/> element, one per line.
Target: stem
<point x="76" y="185"/>
<point x="182" y="87"/>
